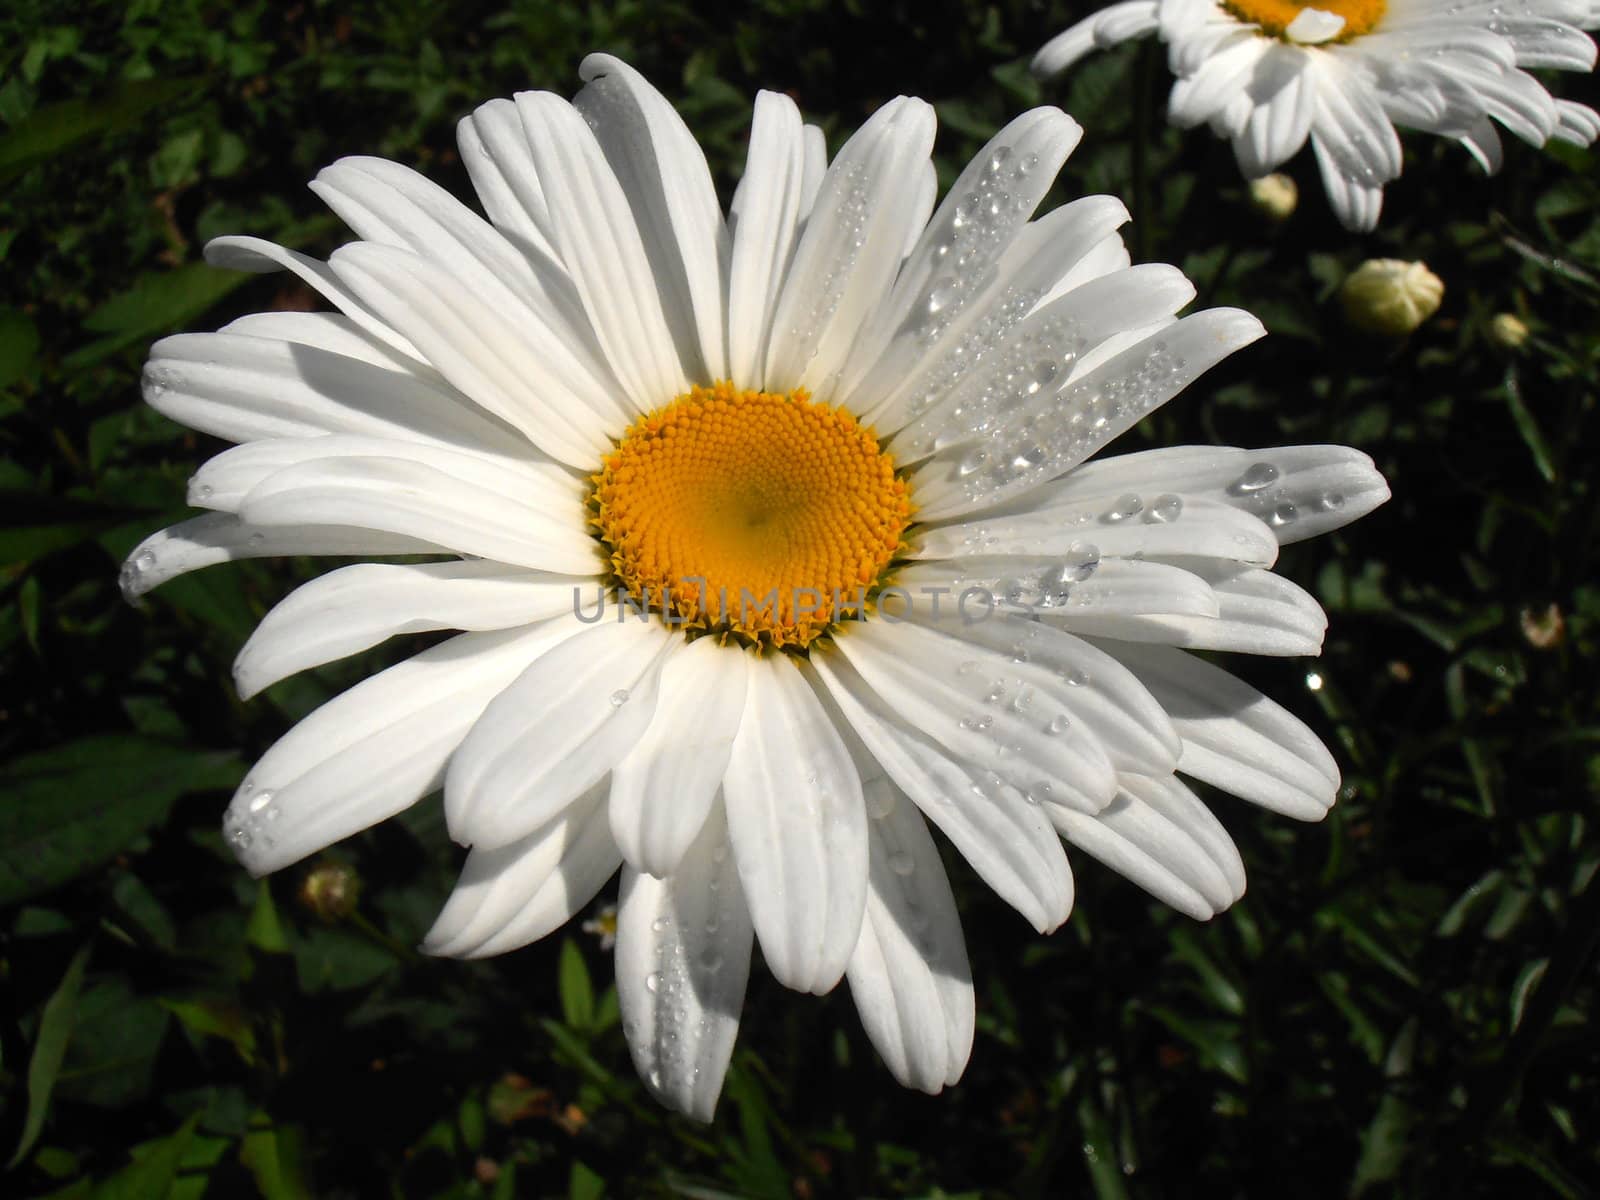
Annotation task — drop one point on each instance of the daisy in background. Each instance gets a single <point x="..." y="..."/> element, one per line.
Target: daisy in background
<point x="839" y="389"/>
<point x="1268" y="74"/>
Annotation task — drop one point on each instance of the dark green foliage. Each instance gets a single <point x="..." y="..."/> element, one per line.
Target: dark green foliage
<point x="1403" y="1005"/>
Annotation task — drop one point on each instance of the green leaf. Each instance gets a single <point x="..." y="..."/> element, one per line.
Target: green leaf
<point x="584" y="1184"/>
<point x="265" y="931"/>
<point x="154" y="1170"/>
<point x="275" y="1156"/>
<point x="159" y="301"/>
<point x="54" y="128"/>
<point x="209" y="1018"/>
<point x="577" y="992"/>
<point x="19" y="345"/>
<point x="49" y="1049"/>
<point x="68" y="810"/>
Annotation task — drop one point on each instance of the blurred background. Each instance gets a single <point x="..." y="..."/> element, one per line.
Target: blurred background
<point x="1403" y="1004"/>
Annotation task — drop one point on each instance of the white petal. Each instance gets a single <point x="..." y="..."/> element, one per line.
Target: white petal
<point x="664" y="175"/>
<point x="1138" y="842"/>
<point x="1299" y="491"/>
<point x="943" y="686"/>
<point x="420" y="500"/>
<point x="235" y="253"/>
<point x="1036" y="357"/>
<point x="1313" y="26"/>
<point x="909" y="975"/>
<point x="1077" y="519"/>
<point x="1285" y="102"/>
<point x="766" y="221"/>
<point x="1578" y="124"/>
<point x="246" y="387"/>
<point x="683" y="958"/>
<point x="495" y="152"/>
<point x="848" y="255"/>
<point x="1044" y="253"/>
<point x="798" y="827"/>
<point x="1059" y="428"/>
<point x="1257" y="613"/>
<point x="522" y="372"/>
<point x="1219" y="79"/>
<point x="516" y="894"/>
<point x="222" y="537"/>
<point x="978" y="221"/>
<point x="371" y="751"/>
<point x="355" y="608"/>
<point x="662" y="791"/>
<point x="387" y="203"/>
<point x="1173" y="800"/>
<point x="1005" y="838"/>
<point x="1111" y="25"/>
<point x="551" y="735"/>
<point x="1356" y="146"/>
<point x="1118" y="591"/>
<point x="1233" y="736"/>
<point x="1073" y="680"/>
<point x="553" y="493"/>
<point x="600" y="243"/>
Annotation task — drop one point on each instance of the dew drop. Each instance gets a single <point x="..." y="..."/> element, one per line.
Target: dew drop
<point x="997" y="160"/>
<point x="660" y="924"/>
<point x="1059" y="723"/>
<point x="1126" y="505"/>
<point x="146" y="560"/>
<point x="880" y="802"/>
<point x="942" y="297"/>
<point x="1284" y="514"/>
<point x="1165" y="509"/>
<point x="1331" y="501"/>
<point x="1074" y="677"/>
<point x="652" y="982"/>
<point x="619" y="697"/>
<point x="971" y="461"/>
<point x="1256" y="476"/>
<point x="261" y="800"/>
<point x="258" y="539"/>
<point x="1080" y="561"/>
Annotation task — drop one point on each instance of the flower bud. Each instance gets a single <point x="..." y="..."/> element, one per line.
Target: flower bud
<point x="1274" y="196"/>
<point x="1390" y="296"/>
<point x="1507" y="331"/>
<point x="330" y="890"/>
<point x="1545" y="629"/>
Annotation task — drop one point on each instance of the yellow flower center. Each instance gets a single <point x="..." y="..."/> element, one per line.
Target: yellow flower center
<point x="768" y="516"/>
<point x="1275" y="16"/>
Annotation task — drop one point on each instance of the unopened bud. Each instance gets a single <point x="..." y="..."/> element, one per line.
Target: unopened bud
<point x="1544" y="628"/>
<point x="330" y="890"/>
<point x="1274" y="196"/>
<point x="1507" y="331"/>
<point x="1390" y="296"/>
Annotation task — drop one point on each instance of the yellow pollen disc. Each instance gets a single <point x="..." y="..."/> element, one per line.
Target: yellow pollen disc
<point x="1275" y="16"/>
<point x="763" y="514"/>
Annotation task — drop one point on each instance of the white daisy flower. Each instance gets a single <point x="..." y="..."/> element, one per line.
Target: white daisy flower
<point x="1268" y="74"/>
<point x="835" y="447"/>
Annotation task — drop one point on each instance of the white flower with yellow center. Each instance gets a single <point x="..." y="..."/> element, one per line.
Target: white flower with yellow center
<point x="1268" y="74"/>
<point x="829" y="454"/>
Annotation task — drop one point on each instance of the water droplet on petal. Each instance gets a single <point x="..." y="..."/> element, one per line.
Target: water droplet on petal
<point x="1256" y="476"/>
<point x="1165" y="509"/>
<point x="1126" y="505"/>
<point x="652" y="982"/>
<point x="1284" y="514"/>
<point x="619" y="697"/>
